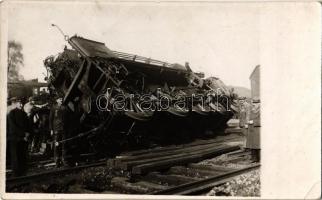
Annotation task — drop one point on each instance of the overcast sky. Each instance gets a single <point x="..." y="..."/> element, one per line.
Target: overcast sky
<point x="221" y="40"/>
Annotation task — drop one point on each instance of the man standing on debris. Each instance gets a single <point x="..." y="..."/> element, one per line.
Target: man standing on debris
<point x="18" y="133"/>
<point x="57" y="124"/>
<point x="253" y="134"/>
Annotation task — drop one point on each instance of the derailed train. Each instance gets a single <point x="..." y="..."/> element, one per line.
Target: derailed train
<point x="119" y="100"/>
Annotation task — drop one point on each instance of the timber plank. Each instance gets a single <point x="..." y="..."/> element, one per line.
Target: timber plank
<point x="166" y="152"/>
<point x="163" y="164"/>
<point x="129" y="164"/>
<point x="168" y="179"/>
<point x="218" y="139"/>
<point x="210" y="167"/>
<point x="192" y="172"/>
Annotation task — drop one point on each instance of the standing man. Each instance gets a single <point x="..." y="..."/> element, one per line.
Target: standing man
<point x="10" y="106"/>
<point x="244" y="108"/>
<point x="253" y="135"/>
<point x="57" y="124"/>
<point x="29" y="106"/>
<point x="18" y="133"/>
<point x="32" y="111"/>
<point x="33" y="119"/>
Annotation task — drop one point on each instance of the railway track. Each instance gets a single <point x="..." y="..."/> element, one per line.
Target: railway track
<point x="172" y="170"/>
<point x="15" y="181"/>
<point x="179" y="171"/>
<point x="197" y="187"/>
<point x="179" y="180"/>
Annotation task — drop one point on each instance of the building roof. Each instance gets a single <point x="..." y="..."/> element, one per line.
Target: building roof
<point x="32" y="83"/>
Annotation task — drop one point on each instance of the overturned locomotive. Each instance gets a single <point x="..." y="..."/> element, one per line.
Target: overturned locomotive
<point x="121" y="101"/>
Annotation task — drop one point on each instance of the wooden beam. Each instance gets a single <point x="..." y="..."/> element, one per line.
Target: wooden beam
<point x="212" y="167"/>
<point x="127" y="165"/>
<point x="191" y="172"/>
<point x="163" y="164"/>
<point x="218" y="139"/>
<point x="166" y="153"/>
<point x="169" y="179"/>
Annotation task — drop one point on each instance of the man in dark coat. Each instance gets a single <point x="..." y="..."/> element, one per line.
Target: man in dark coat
<point x="57" y="125"/>
<point x="33" y="118"/>
<point x="244" y="109"/>
<point x="18" y="133"/>
<point x="253" y="135"/>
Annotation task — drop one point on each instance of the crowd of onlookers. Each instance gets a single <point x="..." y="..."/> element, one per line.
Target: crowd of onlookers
<point x="29" y="127"/>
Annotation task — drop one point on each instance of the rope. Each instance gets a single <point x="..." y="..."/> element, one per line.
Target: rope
<point x="86" y="132"/>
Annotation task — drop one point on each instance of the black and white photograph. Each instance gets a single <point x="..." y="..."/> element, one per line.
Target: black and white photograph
<point x="149" y="98"/>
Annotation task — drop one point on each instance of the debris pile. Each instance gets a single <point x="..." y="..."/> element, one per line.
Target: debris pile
<point x="121" y="100"/>
<point x="246" y="185"/>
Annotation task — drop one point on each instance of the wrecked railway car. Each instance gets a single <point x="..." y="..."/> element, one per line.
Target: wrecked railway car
<point x="119" y="100"/>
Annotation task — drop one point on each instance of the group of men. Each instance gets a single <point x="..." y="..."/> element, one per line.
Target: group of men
<point x="24" y="133"/>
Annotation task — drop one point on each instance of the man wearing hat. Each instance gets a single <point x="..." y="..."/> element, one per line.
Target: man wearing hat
<point x="29" y="106"/>
<point x="33" y="119"/>
<point x="10" y="106"/>
<point x="253" y="134"/>
<point x="57" y="126"/>
<point x="243" y="112"/>
<point x="18" y="133"/>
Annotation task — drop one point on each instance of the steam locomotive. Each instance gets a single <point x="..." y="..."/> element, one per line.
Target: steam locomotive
<point x="122" y="101"/>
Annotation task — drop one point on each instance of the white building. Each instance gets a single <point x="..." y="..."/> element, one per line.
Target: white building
<point x="255" y="83"/>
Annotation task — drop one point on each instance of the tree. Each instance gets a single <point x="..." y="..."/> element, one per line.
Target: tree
<point x="15" y="60"/>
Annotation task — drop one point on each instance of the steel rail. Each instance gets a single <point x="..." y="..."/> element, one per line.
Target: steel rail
<point x="45" y="175"/>
<point x="202" y="185"/>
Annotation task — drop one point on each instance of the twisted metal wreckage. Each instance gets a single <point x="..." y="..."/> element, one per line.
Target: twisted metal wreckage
<point x="120" y="100"/>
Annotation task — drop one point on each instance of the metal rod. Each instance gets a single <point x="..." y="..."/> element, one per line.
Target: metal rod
<point x="66" y="37"/>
